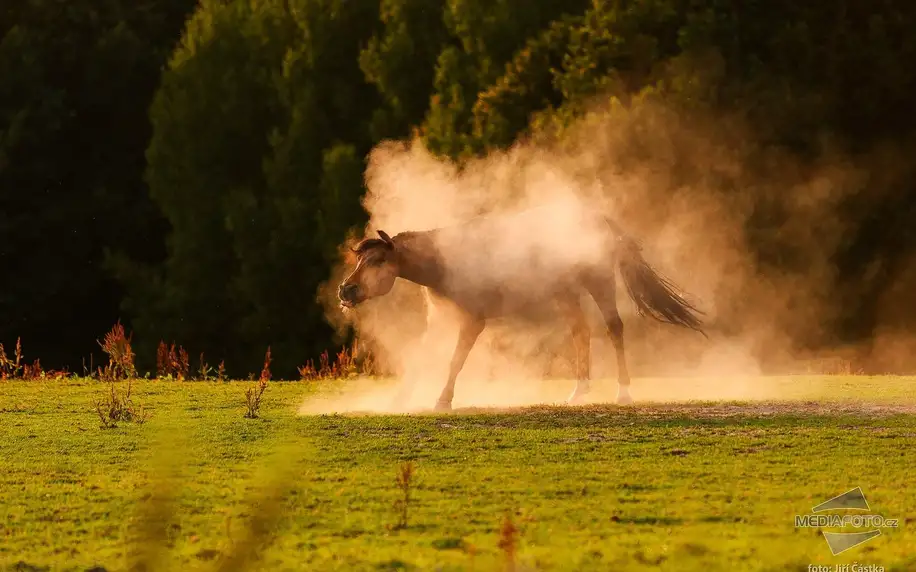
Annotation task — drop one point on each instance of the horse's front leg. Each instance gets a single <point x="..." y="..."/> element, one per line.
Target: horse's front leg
<point x="418" y="364"/>
<point x="468" y="333"/>
<point x="412" y="375"/>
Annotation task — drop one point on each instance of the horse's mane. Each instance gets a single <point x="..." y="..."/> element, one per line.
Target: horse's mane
<point x="367" y="244"/>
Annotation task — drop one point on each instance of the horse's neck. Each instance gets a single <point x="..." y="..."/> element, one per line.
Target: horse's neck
<point x="420" y="262"/>
<point x="422" y="275"/>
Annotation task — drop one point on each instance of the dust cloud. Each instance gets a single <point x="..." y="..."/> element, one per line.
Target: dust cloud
<point x="690" y="188"/>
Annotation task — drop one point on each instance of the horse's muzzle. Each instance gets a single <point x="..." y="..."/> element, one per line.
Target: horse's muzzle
<point x="348" y="294"/>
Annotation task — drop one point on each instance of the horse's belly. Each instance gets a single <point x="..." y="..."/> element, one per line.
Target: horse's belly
<point x="498" y="302"/>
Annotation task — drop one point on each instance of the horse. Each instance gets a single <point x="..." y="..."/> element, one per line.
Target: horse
<point x="504" y="265"/>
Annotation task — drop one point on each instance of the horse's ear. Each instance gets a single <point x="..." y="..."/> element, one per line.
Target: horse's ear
<point x="386" y="238"/>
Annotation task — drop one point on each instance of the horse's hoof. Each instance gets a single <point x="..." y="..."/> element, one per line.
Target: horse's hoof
<point x="442" y="406"/>
<point x="577" y="398"/>
<point x="624" y="399"/>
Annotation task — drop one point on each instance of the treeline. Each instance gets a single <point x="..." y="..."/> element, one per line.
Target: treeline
<point x="193" y="168"/>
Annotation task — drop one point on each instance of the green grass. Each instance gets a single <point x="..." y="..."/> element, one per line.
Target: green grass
<point x="695" y="486"/>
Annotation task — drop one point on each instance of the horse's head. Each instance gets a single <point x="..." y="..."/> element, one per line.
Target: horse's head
<point x="376" y="270"/>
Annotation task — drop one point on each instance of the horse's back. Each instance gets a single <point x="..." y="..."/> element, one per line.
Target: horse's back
<point x="533" y="243"/>
<point x="505" y="264"/>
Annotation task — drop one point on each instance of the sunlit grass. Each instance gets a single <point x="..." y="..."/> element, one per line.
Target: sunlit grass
<point x="701" y="486"/>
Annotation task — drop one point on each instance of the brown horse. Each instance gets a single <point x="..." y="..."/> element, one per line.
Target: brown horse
<point x="500" y="266"/>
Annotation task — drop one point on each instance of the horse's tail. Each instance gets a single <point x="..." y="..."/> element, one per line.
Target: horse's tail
<point x="654" y="295"/>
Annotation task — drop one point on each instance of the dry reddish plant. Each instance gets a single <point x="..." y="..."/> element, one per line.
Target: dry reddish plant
<point x="265" y="369"/>
<point x="253" y="399"/>
<point x="203" y="370"/>
<point x="404" y="480"/>
<point x="32" y="371"/>
<point x="172" y="363"/>
<point x="11" y="368"/>
<point x="508" y="541"/>
<point x="117" y="345"/>
<point x="17" y="368"/>
<point x="345" y="364"/>
<point x="117" y="406"/>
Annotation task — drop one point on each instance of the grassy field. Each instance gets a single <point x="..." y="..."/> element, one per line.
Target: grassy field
<point x="677" y="486"/>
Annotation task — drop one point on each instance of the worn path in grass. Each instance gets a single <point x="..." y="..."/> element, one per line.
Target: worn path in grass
<point x="689" y="486"/>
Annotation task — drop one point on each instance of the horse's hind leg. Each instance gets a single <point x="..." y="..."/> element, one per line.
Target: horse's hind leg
<point x="467" y="336"/>
<point x="571" y="307"/>
<point x="603" y="292"/>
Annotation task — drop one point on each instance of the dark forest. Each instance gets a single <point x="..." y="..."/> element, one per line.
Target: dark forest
<point x="192" y="169"/>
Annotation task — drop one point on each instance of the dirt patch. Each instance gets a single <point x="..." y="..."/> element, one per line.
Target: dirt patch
<point x="695" y="397"/>
<point x="715" y="410"/>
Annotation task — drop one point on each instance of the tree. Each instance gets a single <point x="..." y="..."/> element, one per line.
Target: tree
<point x="484" y="38"/>
<point x="78" y="78"/>
<point x="260" y="127"/>
<point x="400" y="61"/>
